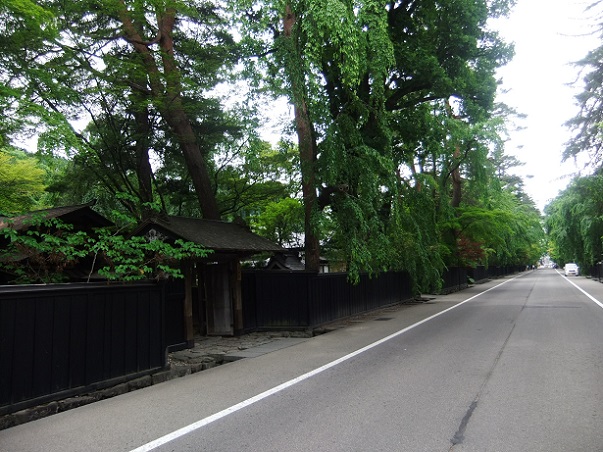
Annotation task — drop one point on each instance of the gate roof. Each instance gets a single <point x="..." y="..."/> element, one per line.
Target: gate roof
<point x="220" y="236"/>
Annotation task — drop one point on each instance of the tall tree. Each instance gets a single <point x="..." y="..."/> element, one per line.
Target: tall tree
<point x="351" y="70"/>
<point x="164" y="87"/>
<point x="144" y="57"/>
<point x="587" y="138"/>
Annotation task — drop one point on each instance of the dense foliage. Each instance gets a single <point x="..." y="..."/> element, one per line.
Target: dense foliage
<point x="574" y="222"/>
<point x="397" y="161"/>
<point x="47" y="251"/>
<point x="574" y="219"/>
<point x="21" y="182"/>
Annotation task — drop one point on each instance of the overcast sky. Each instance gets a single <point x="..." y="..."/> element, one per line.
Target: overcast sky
<point x="548" y="36"/>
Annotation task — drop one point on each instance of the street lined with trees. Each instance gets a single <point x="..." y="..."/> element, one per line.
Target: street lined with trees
<point x="393" y="159"/>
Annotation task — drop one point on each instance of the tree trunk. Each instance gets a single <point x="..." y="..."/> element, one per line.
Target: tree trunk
<point x="175" y="115"/>
<point x="166" y="91"/>
<point x="307" y="151"/>
<point x="307" y="159"/>
<point x="456" y="182"/>
<point x="144" y="171"/>
<point x="179" y="123"/>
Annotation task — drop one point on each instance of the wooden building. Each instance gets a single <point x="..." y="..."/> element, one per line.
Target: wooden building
<point x="212" y="288"/>
<point x="79" y="217"/>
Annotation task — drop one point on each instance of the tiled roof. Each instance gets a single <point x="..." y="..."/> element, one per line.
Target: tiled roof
<point x="285" y="261"/>
<point x="216" y="235"/>
<point x="82" y="212"/>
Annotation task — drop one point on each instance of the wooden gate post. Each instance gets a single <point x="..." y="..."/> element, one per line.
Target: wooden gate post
<point x="188" y="303"/>
<point x="238" y="323"/>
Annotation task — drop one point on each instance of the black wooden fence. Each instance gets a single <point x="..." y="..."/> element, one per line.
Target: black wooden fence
<point x="482" y="273"/>
<point x="300" y="300"/>
<point x="454" y="279"/>
<point x="595" y="271"/>
<point x="58" y="341"/>
<point x="64" y="340"/>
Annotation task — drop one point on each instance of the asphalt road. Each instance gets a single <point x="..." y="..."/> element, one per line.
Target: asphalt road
<point x="515" y="368"/>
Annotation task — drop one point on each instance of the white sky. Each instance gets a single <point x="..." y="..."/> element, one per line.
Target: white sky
<point x="548" y="36"/>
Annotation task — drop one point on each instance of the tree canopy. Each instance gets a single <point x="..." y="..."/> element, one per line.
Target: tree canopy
<point x="397" y="160"/>
<point x="574" y="222"/>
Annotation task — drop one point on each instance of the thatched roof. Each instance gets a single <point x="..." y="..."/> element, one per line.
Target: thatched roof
<point x="220" y="236"/>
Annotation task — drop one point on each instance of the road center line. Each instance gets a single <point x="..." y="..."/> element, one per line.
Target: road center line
<point x="583" y="291"/>
<point x="239" y="406"/>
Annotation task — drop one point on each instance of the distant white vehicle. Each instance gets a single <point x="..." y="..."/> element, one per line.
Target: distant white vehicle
<point x="571" y="269"/>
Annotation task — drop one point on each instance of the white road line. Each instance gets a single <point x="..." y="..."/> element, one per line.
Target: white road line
<point x="582" y="290"/>
<point x="239" y="406"/>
